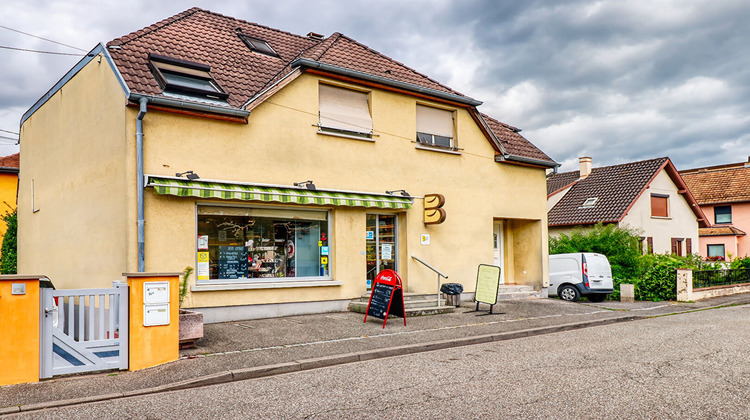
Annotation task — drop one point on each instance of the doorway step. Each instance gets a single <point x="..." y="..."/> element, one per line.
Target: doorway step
<point x="516" y="291"/>
<point x="417" y="304"/>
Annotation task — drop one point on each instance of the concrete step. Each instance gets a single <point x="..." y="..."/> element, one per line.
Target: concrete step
<point x="361" y="307"/>
<point x="516" y="291"/>
<point x="407" y="297"/>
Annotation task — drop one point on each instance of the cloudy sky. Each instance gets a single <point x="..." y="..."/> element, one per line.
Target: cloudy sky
<point x="615" y="80"/>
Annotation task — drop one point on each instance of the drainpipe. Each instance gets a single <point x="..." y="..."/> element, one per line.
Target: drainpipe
<point x="139" y="185"/>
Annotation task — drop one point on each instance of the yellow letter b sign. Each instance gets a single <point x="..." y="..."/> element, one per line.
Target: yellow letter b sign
<point x="433" y="211"/>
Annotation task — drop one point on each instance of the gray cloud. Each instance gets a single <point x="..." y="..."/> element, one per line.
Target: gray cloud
<point x="618" y="81"/>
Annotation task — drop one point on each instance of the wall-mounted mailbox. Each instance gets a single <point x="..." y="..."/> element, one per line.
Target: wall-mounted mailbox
<point x="155" y="303"/>
<point x="18" y="288"/>
<point x="155" y="314"/>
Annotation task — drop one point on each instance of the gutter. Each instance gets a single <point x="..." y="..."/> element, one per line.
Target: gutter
<point x="139" y="184"/>
<point x="530" y="161"/>
<point x="304" y="62"/>
<point x="178" y="103"/>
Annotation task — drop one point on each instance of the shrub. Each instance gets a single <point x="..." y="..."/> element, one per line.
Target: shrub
<point x="619" y="244"/>
<point x="8" y="252"/>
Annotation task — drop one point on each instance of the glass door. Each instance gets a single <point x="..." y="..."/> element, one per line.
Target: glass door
<point x="381" y="242"/>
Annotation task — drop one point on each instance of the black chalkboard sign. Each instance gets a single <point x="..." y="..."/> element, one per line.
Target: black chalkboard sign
<point x="381" y="298"/>
<point x="232" y="262"/>
<point x="387" y="297"/>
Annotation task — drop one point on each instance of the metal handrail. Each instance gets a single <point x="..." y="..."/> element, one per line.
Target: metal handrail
<point x="439" y="273"/>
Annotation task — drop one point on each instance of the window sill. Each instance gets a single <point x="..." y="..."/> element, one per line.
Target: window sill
<point x="439" y="149"/>
<point x="346" y="136"/>
<point x="661" y="217"/>
<point x="208" y="286"/>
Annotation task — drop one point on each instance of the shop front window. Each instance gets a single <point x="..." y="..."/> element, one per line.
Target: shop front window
<point x="248" y="243"/>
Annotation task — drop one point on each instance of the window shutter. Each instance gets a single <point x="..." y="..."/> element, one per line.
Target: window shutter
<point x="659" y="206"/>
<point x="675" y="250"/>
<point x="688" y="246"/>
<point x="344" y="109"/>
<point x="434" y="121"/>
<point x="650" y="244"/>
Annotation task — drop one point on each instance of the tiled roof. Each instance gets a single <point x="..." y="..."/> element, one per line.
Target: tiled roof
<point x="714" y="186"/>
<point x="615" y="187"/>
<point x="248" y="77"/>
<point x="559" y="181"/>
<point x="209" y="38"/>
<point x="720" y="231"/>
<point x="514" y="143"/>
<point x="10" y="161"/>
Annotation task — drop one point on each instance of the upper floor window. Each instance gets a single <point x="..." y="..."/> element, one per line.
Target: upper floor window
<point x="344" y="111"/>
<point x="185" y="77"/>
<point x="722" y="214"/>
<point x="659" y="205"/>
<point x="435" y="127"/>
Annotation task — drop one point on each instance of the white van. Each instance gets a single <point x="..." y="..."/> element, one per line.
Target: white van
<point x="580" y="274"/>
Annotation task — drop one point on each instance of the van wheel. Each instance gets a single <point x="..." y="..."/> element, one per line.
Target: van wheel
<point x="597" y="297"/>
<point x="569" y="293"/>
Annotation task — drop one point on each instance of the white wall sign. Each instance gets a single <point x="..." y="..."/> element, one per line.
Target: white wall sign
<point x="424" y="239"/>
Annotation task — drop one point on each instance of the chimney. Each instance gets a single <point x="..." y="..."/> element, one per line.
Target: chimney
<point x="585" y="164"/>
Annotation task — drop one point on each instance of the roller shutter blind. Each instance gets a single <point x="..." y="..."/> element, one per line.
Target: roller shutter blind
<point x="344" y="109"/>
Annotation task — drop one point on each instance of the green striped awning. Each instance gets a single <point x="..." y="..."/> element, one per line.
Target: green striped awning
<point x="279" y="194"/>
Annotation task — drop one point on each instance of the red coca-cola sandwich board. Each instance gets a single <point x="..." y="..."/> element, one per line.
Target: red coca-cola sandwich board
<point x="387" y="297"/>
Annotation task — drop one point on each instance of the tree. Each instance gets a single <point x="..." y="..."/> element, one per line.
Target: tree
<point x="8" y="255"/>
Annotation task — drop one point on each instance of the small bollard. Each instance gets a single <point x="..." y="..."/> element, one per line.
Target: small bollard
<point x="627" y="293"/>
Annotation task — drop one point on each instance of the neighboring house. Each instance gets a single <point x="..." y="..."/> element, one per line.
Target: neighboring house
<point x="723" y="193"/>
<point x="648" y="195"/>
<point x="190" y="143"/>
<point x="8" y="187"/>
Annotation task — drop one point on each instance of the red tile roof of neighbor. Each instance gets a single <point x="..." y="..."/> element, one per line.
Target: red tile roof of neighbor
<point x="721" y="231"/>
<point x="10" y="161"/>
<point x="616" y="189"/>
<point x="201" y="36"/>
<point x="715" y="185"/>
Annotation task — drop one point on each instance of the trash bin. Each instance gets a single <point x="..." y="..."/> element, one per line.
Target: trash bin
<point x="452" y="293"/>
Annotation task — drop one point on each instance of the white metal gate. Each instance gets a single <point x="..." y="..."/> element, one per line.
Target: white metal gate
<point x="84" y="330"/>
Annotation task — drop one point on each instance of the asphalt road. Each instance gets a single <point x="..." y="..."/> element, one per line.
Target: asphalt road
<point x="692" y="365"/>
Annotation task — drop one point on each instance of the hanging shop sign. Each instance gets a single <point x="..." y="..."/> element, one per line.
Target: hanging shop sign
<point x="387" y="297"/>
<point x="433" y="211"/>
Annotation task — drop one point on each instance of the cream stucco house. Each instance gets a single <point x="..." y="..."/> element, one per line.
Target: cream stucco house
<point x="648" y="195"/>
<point x="287" y="170"/>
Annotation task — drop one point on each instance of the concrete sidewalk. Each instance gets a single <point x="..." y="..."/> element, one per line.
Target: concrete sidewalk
<point x="255" y="348"/>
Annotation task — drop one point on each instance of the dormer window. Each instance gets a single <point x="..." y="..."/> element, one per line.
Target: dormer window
<point x="179" y="76"/>
<point x="590" y="202"/>
<point x="258" y="45"/>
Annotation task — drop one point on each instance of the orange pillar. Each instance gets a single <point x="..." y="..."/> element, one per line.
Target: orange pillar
<point x="154" y="319"/>
<point x="19" y="329"/>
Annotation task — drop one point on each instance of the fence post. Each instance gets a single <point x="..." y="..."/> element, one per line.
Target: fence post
<point x="19" y="321"/>
<point x="154" y="319"/>
<point x="684" y="284"/>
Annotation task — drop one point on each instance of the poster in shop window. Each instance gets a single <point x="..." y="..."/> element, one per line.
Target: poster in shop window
<point x="232" y="262"/>
<point x="386" y="251"/>
<point x="203" y="266"/>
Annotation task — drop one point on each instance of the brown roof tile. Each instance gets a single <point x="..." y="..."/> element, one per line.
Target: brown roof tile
<point x="514" y="143"/>
<point x="10" y="161"/>
<point x="723" y="185"/>
<point x="721" y="231"/>
<point x="616" y="187"/>
<point x="559" y="181"/>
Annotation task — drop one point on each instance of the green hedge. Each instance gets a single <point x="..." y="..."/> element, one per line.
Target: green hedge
<point x="8" y="257"/>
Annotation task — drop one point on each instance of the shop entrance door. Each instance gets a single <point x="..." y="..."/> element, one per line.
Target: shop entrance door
<point x="497" y="243"/>
<point x="382" y="245"/>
